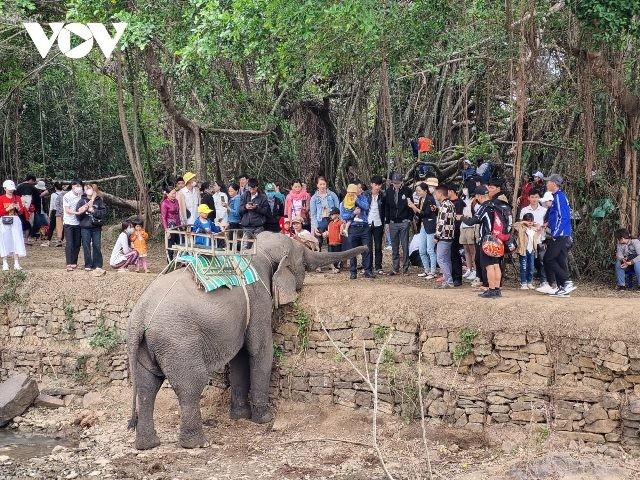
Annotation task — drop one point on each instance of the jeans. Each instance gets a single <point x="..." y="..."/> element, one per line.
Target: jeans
<point x="72" y="248"/>
<point x="322" y="227"/>
<point x="400" y="237"/>
<point x="359" y="234"/>
<point x="621" y="273"/>
<point x="375" y="246"/>
<point x="555" y="261"/>
<point x="539" y="262"/>
<point x="92" y="237"/>
<point x="443" y="253"/>
<point x="427" y="251"/>
<point x="526" y="267"/>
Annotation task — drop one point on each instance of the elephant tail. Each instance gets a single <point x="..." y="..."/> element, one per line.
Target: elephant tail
<point x="134" y="340"/>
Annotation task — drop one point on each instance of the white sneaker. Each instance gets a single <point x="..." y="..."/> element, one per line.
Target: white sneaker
<point x="530" y="286"/>
<point x="569" y="286"/>
<point x="16" y="266"/>
<point x="472" y="276"/>
<point x="430" y="276"/>
<point x="423" y="274"/>
<point x="466" y="274"/>
<point x="388" y="247"/>
<point x="523" y="286"/>
<point x="5" y="266"/>
<point x="476" y="282"/>
<point x="547" y="289"/>
<point x="45" y="244"/>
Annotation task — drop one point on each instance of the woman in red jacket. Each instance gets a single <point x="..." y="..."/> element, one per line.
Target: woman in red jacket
<point x="11" y="239"/>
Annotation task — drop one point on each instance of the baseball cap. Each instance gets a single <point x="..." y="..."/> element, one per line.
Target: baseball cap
<point x="204" y="208"/>
<point x="539" y="174"/>
<point x="555" y="178"/>
<point x="481" y="190"/>
<point x="9" y="185"/>
<point x="269" y="187"/>
<point x="547" y="197"/>
<point x="397" y="178"/>
<point x="334" y="211"/>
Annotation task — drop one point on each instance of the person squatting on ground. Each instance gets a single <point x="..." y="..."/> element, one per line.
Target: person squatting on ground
<point x="627" y="258"/>
<point x="445" y="231"/>
<point x="398" y="216"/>
<point x="122" y="254"/>
<point x="354" y="210"/>
<point x="11" y="238"/>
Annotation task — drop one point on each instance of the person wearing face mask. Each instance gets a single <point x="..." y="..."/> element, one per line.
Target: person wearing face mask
<point x="122" y="254"/>
<point x="467" y="233"/>
<point x="91" y="222"/>
<point x="11" y="239"/>
<point x="72" y="224"/>
<point x="189" y="199"/>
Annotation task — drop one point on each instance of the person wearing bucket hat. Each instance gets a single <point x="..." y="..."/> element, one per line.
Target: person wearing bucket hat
<point x="398" y="216"/>
<point x="354" y="210"/>
<point x="204" y="225"/>
<point x="189" y="199"/>
<point x="558" y="241"/>
<point x="11" y="239"/>
<point x="276" y="209"/>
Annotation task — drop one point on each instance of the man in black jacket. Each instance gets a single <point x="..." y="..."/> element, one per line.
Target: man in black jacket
<point x="456" y="259"/>
<point x="254" y="210"/>
<point x="398" y="217"/>
<point x="376" y="198"/>
<point x="276" y="209"/>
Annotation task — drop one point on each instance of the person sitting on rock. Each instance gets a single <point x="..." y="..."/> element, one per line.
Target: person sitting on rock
<point x="627" y="257"/>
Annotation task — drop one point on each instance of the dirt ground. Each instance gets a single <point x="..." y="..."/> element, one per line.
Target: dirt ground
<point x="325" y="442"/>
<point x="305" y="442"/>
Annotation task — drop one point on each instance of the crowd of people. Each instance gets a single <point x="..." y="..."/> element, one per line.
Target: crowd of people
<point x="454" y="232"/>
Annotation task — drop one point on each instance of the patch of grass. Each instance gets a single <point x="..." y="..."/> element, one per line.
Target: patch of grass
<point x="387" y="356"/>
<point x="278" y="352"/>
<point x="543" y="433"/>
<point x="304" y="321"/>
<point x="10" y="283"/>
<point x="465" y="347"/>
<point x="380" y="333"/>
<point x="69" y="311"/>
<point x="104" y="336"/>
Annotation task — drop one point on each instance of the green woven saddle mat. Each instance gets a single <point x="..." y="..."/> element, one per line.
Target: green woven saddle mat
<point x="213" y="272"/>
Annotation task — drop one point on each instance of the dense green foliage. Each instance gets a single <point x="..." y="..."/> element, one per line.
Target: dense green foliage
<point x="296" y="88"/>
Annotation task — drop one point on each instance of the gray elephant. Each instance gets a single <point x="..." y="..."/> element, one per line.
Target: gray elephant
<point x="184" y="334"/>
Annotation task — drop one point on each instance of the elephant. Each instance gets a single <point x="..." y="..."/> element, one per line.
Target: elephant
<point x="179" y="332"/>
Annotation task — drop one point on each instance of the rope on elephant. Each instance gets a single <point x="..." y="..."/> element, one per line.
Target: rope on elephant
<point x="243" y="284"/>
<point x="148" y="324"/>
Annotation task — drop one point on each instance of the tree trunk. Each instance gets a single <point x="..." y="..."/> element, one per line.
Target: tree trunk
<point x="587" y="119"/>
<point x="144" y="206"/>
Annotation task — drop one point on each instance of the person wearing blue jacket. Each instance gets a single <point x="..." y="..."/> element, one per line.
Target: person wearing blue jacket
<point x="320" y="206"/>
<point x="354" y="210"/>
<point x="558" y="240"/>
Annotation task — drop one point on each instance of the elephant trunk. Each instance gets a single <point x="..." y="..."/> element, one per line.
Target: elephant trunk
<point x="313" y="260"/>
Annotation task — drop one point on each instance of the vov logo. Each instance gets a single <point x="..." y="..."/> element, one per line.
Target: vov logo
<point x="63" y="32"/>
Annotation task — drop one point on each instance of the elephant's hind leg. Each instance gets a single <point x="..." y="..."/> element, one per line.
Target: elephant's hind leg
<point x="147" y="385"/>
<point x="239" y="379"/>
<point x="188" y="385"/>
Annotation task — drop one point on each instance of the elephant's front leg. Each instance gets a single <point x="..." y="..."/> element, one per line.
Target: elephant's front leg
<point x="260" y="362"/>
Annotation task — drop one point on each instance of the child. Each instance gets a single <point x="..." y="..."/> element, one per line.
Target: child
<point x="334" y="235"/>
<point x="286" y="227"/>
<point x="204" y="225"/>
<point x="139" y="240"/>
<point x="528" y="239"/>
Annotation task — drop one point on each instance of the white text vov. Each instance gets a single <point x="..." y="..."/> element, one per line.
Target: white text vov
<point x="63" y="32"/>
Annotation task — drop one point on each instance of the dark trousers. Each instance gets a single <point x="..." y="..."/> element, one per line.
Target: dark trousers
<point x="480" y="268"/>
<point x="72" y="248"/>
<point x="555" y="261"/>
<point x="400" y="238"/>
<point x="456" y="259"/>
<point x="336" y="248"/>
<point x="359" y="235"/>
<point x="539" y="263"/>
<point x="91" y="247"/>
<point x="173" y="239"/>
<point x="375" y="246"/>
<point x="52" y="224"/>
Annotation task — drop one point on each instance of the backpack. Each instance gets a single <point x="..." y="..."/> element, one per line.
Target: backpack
<point x="485" y="171"/>
<point x="502" y="227"/>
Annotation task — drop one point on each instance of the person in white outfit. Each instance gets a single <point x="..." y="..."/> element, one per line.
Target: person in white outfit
<point x="11" y="238"/>
<point x="220" y="198"/>
<point x="189" y="199"/>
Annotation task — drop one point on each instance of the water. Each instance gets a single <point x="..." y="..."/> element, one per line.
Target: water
<point x="22" y="446"/>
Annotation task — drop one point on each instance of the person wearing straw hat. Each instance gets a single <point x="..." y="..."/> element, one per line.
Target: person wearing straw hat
<point x="189" y="199"/>
<point x="11" y="239"/>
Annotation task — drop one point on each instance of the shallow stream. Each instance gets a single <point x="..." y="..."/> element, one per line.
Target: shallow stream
<point x="22" y="446"/>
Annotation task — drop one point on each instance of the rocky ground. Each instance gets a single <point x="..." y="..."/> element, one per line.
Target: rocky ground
<point x="305" y="442"/>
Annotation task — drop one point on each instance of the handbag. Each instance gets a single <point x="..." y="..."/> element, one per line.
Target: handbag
<point x="7" y="220"/>
<point x="95" y="221"/>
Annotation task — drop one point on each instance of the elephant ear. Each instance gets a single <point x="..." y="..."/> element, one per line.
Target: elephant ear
<point x="283" y="284"/>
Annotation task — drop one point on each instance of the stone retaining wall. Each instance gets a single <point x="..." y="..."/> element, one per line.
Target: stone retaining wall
<point x="583" y="389"/>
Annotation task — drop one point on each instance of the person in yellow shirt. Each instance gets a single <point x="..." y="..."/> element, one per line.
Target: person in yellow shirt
<point x="139" y="239"/>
